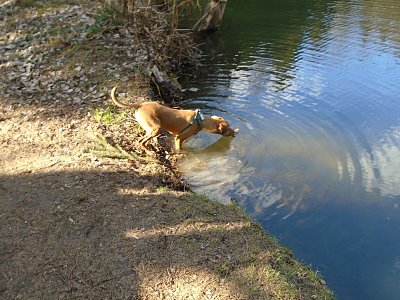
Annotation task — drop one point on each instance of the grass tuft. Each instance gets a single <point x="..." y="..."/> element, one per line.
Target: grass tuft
<point x="109" y="115"/>
<point x="105" y="149"/>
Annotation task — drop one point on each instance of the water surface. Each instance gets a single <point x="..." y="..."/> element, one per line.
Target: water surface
<point x="314" y="88"/>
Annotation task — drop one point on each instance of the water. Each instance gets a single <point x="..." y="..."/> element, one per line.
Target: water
<point x="314" y="87"/>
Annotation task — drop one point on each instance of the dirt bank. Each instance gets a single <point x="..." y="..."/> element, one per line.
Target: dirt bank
<point x="76" y="223"/>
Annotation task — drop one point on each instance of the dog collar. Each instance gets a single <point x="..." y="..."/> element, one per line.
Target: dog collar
<point x="198" y="118"/>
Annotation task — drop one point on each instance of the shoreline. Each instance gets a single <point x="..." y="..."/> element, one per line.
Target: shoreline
<point x="84" y="213"/>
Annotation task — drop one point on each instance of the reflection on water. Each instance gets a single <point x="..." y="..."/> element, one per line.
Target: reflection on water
<point x="313" y="87"/>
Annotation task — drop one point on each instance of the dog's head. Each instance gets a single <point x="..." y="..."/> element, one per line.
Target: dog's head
<point x="223" y="127"/>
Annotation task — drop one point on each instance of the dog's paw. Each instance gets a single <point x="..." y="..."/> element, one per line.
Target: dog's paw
<point x="179" y="153"/>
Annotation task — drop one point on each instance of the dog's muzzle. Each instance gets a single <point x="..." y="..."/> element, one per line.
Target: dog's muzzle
<point x="229" y="132"/>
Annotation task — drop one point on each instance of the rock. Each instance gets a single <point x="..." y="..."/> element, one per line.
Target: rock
<point x="10" y="46"/>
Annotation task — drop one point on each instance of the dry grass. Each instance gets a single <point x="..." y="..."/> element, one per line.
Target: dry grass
<point x="156" y="30"/>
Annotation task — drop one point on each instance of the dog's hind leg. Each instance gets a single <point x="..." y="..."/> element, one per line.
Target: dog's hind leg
<point x="152" y="134"/>
<point x="151" y="124"/>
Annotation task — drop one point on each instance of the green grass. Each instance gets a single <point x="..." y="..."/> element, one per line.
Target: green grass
<point x="162" y="189"/>
<point x="28" y="4"/>
<point x="28" y="37"/>
<point x="109" y="115"/>
<point x="106" y="19"/>
<point x="42" y="7"/>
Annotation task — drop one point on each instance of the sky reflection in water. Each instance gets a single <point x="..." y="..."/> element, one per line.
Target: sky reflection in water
<point x="314" y="88"/>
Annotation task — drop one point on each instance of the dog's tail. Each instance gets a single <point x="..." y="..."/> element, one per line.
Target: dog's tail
<point x="120" y="104"/>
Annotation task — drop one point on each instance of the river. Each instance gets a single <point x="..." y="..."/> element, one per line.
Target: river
<point x="314" y="87"/>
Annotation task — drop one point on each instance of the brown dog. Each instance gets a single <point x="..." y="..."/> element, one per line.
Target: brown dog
<point x="153" y="117"/>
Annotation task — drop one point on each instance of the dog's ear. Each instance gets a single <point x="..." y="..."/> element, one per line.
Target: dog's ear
<point x="222" y="127"/>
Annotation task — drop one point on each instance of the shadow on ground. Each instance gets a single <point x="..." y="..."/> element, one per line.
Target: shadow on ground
<point x="79" y="234"/>
<point x="112" y="235"/>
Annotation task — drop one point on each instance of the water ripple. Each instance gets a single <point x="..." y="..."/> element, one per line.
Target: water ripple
<point x="315" y="95"/>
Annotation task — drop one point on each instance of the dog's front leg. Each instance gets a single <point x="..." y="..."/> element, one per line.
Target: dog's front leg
<point x="180" y="138"/>
<point x="178" y="143"/>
